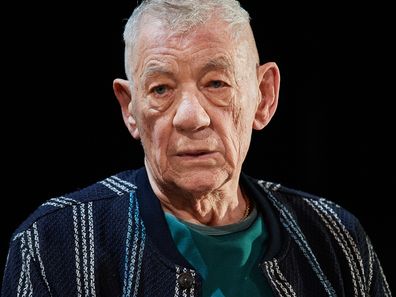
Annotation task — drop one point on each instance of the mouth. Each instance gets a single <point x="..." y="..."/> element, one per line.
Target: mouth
<point x="198" y="155"/>
<point x="194" y="153"/>
<point x="197" y="158"/>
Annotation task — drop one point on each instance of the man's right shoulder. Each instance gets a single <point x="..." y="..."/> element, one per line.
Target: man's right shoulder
<point x="108" y="190"/>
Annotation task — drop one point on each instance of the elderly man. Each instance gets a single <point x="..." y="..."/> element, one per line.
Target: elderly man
<point x="190" y="223"/>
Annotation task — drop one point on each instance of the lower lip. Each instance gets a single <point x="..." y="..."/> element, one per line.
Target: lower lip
<point x="201" y="157"/>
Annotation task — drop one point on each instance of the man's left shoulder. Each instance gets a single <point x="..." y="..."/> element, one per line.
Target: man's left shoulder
<point x="308" y="207"/>
<point x="317" y="206"/>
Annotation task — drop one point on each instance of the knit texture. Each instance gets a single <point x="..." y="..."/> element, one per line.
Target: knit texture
<point x="111" y="239"/>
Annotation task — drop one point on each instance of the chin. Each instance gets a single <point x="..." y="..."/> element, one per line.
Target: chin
<point x="201" y="182"/>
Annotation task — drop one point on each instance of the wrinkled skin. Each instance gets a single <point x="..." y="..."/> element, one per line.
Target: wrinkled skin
<point x="193" y="102"/>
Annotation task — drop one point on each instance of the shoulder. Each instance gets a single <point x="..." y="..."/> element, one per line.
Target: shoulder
<point x="308" y="209"/>
<point x="329" y="235"/>
<point x="319" y="209"/>
<point x="103" y="193"/>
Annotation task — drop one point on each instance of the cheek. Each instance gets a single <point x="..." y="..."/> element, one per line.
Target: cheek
<point x="236" y="122"/>
<point x="155" y="134"/>
<point x="242" y="114"/>
<point x="236" y="115"/>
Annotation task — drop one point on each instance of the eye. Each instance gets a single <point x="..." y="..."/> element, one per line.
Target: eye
<point x="216" y="84"/>
<point x="159" y="90"/>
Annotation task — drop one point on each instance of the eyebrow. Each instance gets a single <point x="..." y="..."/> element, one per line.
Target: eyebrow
<point x="219" y="63"/>
<point x="153" y="70"/>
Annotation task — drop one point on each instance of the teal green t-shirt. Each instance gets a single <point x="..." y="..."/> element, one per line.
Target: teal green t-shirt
<point x="226" y="257"/>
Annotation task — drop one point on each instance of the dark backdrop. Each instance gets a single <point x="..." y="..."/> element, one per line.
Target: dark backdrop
<point x="332" y="133"/>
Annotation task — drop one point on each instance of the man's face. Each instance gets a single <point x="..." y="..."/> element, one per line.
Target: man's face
<point x="194" y="99"/>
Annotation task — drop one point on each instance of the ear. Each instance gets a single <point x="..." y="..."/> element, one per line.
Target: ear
<point x="269" y="80"/>
<point x="123" y="94"/>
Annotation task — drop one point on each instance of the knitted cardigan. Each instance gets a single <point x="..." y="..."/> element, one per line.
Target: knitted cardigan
<point x="112" y="239"/>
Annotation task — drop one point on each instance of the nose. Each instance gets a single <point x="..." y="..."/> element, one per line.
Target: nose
<point x="190" y="115"/>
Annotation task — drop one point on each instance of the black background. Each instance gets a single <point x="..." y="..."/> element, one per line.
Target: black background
<point x="331" y="136"/>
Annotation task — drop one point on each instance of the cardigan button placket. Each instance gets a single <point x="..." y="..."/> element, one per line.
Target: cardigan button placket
<point x="185" y="280"/>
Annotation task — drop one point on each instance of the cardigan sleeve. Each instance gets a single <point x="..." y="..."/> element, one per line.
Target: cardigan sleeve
<point x="374" y="277"/>
<point x="365" y="268"/>
<point x="23" y="275"/>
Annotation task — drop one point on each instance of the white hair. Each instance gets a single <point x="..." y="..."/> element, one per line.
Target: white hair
<point x="180" y="16"/>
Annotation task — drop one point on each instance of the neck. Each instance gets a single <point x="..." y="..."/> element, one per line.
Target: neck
<point x="223" y="206"/>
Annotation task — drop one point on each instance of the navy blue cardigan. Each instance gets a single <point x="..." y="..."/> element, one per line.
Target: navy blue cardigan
<point x="111" y="239"/>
